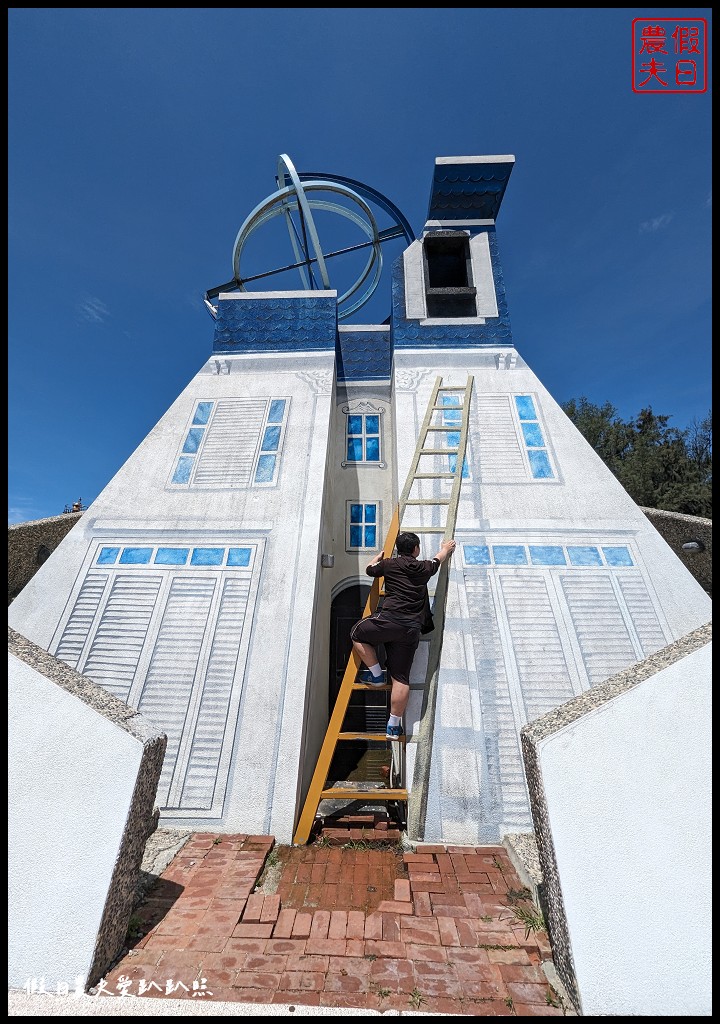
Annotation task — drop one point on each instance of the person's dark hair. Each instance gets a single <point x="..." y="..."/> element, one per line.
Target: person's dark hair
<point x="406" y="543"/>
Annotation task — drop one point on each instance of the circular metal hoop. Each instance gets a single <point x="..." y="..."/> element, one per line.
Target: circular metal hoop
<point x="297" y="198"/>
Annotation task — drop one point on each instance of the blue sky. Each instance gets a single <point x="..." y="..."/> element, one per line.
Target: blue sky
<point x="141" y="138"/>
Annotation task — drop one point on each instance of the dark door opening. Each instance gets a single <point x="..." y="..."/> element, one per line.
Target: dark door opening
<point x="367" y="712"/>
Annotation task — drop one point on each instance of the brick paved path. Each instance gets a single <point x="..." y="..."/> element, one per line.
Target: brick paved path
<point x="357" y="925"/>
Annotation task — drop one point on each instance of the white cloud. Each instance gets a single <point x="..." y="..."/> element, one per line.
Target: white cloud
<point x="656" y="223"/>
<point x="93" y="310"/>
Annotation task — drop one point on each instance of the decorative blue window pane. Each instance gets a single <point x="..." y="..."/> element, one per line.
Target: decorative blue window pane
<point x="355" y="425"/>
<point x="372" y="449"/>
<point x="617" y="556"/>
<point x="265" y="469"/>
<point x="451" y="400"/>
<point x="533" y="435"/>
<point x="277" y="411"/>
<point x="108" y="556"/>
<point x="476" y="554"/>
<point x="202" y="413"/>
<point x="183" y="470"/>
<point x="356" y="513"/>
<point x="370" y="534"/>
<point x="453" y="439"/>
<point x="546" y="555"/>
<point x="271" y="440"/>
<point x="372" y="424"/>
<point x="135" y="556"/>
<point x="509" y="554"/>
<point x="171" y="556"/>
<point x="465" y="475"/>
<point x="525" y="407"/>
<point x="356" y="536"/>
<point x="207" y="556"/>
<point x="193" y="439"/>
<point x="354" y="449"/>
<point x="370" y="514"/>
<point x="239" y="556"/>
<point x="584" y="556"/>
<point x="539" y="464"/>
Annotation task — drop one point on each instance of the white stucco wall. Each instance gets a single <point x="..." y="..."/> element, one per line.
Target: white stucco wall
<point x="264" y="654"/>
<point x="628" y="790"/>
<point x="71" y="779"/>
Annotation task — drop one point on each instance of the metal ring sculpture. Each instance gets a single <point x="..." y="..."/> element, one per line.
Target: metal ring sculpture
<point x="295" y="196"/>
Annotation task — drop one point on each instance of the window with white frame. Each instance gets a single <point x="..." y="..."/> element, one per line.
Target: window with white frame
<point x="362" y="525"/>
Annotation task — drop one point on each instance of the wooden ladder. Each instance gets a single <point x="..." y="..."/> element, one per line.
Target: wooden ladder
<point x="368" y="792"/>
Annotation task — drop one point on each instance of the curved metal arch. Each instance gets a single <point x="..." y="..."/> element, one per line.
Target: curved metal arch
<point x="292" y="198"/>
<point x="289" y="198"/>
<point x="285" y="203"/>
<point x="369" y="193"/>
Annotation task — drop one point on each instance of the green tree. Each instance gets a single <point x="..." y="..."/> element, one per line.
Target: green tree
<point x="658" y="465"/>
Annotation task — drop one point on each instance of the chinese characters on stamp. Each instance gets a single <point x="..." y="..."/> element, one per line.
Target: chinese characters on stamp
<point x="669" y="55"/>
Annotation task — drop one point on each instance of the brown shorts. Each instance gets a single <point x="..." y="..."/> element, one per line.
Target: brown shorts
<point x="400" y="643"/>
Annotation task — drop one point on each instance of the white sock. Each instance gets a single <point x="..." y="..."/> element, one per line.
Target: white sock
<point x="395" y="720"/>
<point x="376" y="670"/>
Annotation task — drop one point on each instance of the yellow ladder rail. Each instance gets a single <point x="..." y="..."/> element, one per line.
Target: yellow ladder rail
<point x="317" y="790"/>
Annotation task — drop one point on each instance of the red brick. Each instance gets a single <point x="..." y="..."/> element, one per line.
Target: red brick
<point x="270" y="909"/>
<point x="448" y="931"/>
<point x="436" y="954"/>
<point x="253" y="908"/>
<point x="338" y="924"/>
<point x="509" y="956"/>
<point x="422" y="874"/>
<point x="286" y="947"/>
<point x="302" y="926"/>
<point x="284" y="924"/>
<point x="421" y="902"/>
<point x="269" y="982"/>
<point x="427" y="887"/>
<point x="379" y="947"/>
<point x="527" y="993"/>
<point x="538" y="1010"/>
<point x="310" y="964"/>
<point x="355" y="925"/>
<point x="373" y="926"/>
<point x="329" y="947"/>
<point x="402" y="890"/>
<point x="355" y="947"/>
<point x="418" y="858"/>
<point x="320" y="924"/>
<point x="394" y="907"/>
<point x="304" y="981"/>
<point x="232" y="961"/>
<point x="211" y="943"/>
<point x="245" y="945"/>
<point x="429" y="848"/>
<point x="252" y="930"/>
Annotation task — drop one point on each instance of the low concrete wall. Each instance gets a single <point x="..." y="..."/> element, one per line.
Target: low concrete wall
<point x="620" y="783"/>
<point x="678" y="529"/>
<point x="31" y="544"/>
<point x="83" y="774"/>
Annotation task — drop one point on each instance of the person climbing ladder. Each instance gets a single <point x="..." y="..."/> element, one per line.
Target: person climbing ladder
<point x="404" y="616"/>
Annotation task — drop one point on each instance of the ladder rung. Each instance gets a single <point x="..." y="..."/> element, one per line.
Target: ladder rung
<point x="453" y="387"/>
<point x="456" y="429"/>
<point x="427" y="501"/>
<point x="362" y="794"/>
<point x="439" y="451"/>
<point x="423" y="529"/>
<point x="375" y="736"/>
<point x="434" y="476"/>
<point x="369" y="686"/>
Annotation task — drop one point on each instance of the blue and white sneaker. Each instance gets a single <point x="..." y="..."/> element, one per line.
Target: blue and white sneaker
<point x="366" y="676"/>
<point x="394" y="732"/>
